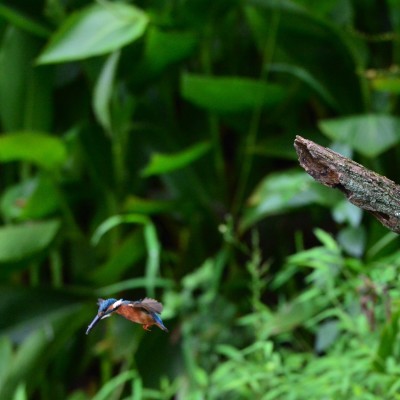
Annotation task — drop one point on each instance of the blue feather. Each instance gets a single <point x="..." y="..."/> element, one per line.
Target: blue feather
<point x="159" y="321"/>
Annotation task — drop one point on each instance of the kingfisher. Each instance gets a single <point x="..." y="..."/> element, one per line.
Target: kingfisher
<point x="145" y="312"/>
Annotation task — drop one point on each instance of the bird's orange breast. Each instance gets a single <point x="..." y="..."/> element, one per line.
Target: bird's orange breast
<point x="135" y="315"/>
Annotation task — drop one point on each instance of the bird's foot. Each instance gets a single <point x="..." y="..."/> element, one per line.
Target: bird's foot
<point x="146" y="328"/>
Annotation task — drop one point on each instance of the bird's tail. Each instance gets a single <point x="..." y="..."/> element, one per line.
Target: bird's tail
<point x="159" y="322"/>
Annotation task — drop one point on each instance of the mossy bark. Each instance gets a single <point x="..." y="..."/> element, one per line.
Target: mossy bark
<point x="364" y="188"/>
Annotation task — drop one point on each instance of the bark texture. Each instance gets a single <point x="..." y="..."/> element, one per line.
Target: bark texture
<point x="364" y="188"/>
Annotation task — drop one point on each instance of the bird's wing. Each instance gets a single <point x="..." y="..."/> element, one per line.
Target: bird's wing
<point x="148" y="304"/>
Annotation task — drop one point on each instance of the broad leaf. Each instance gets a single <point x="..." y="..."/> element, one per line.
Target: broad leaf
<point x="18" y="242"/>
<point x="32" y="199"/>
<point x="137" y="205"/>
<point x="163" y="48"/>
<point x="230" y="94"/>
<point x="346" y="212"/>
<point x="129" y="252"/>
<point x="44" y="150"/>
<point x="45" y="304"/>
<point x="42" y="323"/>
<point x="165" y="163"/>
<point x="282" y="192"/>
<point x="369" y="134"/>
<point x="327" y="334"/>
<point x="353" y="239"/>
<point x="98" y="29"/>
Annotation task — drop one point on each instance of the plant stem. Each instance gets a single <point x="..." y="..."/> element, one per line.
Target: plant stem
<point x="213" y="120"/>
<point x="267" y="56"/>
<point x="56" y="269"/>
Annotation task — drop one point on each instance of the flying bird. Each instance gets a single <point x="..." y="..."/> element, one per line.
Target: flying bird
<point x="145" y="312"/>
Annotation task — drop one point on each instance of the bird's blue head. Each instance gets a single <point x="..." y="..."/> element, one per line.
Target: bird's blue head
<point x="106" y="308"/>
<point x="104" y="305"/>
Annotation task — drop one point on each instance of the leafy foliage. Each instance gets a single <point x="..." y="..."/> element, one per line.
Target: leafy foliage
<point x="147" y="150"/>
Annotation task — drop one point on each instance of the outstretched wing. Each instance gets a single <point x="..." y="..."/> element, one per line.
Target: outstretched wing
<point x="148" y="304"/>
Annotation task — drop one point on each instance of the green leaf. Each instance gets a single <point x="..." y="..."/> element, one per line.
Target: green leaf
<point x="43" y="341"/>
<point x="388" y="84"/>
<point x="292" y="314"/>
<point x="129" y="252"/>
<point x="305" y="76"/>
<point x="110" y="387"/>
<point x="150" y="236"/>
<point x="78" y="395"/>
<point x="327" y="334"/>
<point x="31" y="199"/>
<point x="20" y="393"/>
<point x="114" y="221"/>
<point x="23" y="22"/>
<point x="165" y="163"/>
<point x="13" y="200"/>
<point x="284" y="191"/>
<point x="103" y="91"/>
<point x="369" y="134"/>
<point x="387" y="342"/>
<point x="327" y="240"/>
<point x="353" y="239"/>
<point x="26" y="101"/>
<point x="31" y="350"/>
<point x="133" y="284"/>
<point x="275" y="146"/>
<point x="230" y="94"/>
<point x="18" y="242"/>
<point x="163" y="48"/>
<point x="138" y="205"/>
<point x="5" y="357"/>
<point x="44" y="150"/>
<point x="43" y="201"/>
<point x="314" y="45"/>
<point x="98" y="29"/>
<point x="346" y="212"/>
<point x="45" y="306"/>
<point x="384" y="241"/>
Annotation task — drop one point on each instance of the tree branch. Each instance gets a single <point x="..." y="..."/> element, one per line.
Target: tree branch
<point x="364" y="188"/>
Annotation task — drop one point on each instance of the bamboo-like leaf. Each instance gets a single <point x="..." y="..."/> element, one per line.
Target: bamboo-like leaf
<point x="230" y="94"/>
<point x="98" y="29"/>
<point x="165" y="163"/>
<point x="106" y="391"/>
<point x="44" y="150"/>
<point x="26" y="98"/>
<point x="23" y="22"/>
<point x="103" y="91"/>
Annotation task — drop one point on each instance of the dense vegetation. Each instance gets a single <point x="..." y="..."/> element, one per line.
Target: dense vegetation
<point x="147" y="150"/>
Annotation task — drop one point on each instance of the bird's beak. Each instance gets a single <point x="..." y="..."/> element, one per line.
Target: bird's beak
<point x="92" y="324"/>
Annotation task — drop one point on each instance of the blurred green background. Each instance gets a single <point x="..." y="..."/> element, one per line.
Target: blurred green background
<point x="147" y="150"/>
